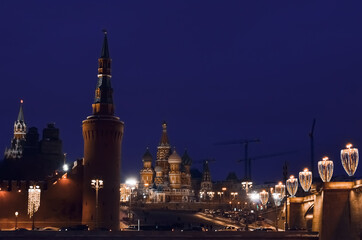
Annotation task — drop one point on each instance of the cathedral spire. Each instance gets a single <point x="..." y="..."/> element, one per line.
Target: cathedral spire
<point x="164" y="138"/>
<point x="103" y="100"/>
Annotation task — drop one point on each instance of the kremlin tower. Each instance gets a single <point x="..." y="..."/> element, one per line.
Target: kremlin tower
<point x="102" y="134"/>
<point x="16" y="148"/>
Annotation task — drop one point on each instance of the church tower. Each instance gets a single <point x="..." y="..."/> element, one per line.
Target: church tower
<point x="163" y="152"/>
<point x="146" y="172"/>
<point x="102" y="134"/>
<point x="175" y="174"/>
<point x="16" y="148"/>
<point x="206" y="184"/>
<point x="186" y="173"/>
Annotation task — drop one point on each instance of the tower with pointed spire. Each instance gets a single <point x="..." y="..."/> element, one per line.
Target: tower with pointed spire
<point x="102" y="134"/>
<point x="17" y="143"/>
<point x="206" y="184"/>
<point x="163" y="152"/>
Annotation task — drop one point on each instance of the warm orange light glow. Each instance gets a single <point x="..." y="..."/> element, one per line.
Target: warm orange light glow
<point x="21" y="101"/>
<point x="19" y="190"/>
<point x="223" y="189"/>
<point x="291" y="176"/>
<point x="325" y="158"/>
<point x="305" y="170"/>
<point x="349" y="145"/>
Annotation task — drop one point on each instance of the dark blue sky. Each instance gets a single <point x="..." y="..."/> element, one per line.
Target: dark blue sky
<point x="214" y="70"/>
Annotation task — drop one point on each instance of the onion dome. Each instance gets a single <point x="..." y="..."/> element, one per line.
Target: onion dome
<point x="147" y="157"/>
<point x="174" y="158"/>
<point x="158" y="169"/>
<point x="186" y="160"/>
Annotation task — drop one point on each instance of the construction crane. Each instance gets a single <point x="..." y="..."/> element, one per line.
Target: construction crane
<point x="311" y="136"/>
<point x="265" y="156"/>
<point x="245" y="142"/>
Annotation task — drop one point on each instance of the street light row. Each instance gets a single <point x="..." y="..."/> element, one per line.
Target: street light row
<point x="349" y="159"/>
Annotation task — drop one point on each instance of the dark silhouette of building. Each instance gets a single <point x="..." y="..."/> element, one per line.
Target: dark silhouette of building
<point x="102" y="134"/>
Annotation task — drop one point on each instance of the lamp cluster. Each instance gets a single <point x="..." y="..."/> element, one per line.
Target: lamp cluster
<point x="349" y="158"/>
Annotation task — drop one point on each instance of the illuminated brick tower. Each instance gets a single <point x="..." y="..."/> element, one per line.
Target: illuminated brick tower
<point x="102" y="134"/>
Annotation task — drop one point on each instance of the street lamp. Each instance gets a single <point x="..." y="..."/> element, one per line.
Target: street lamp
<point x="247" y="185"/>
<point x="292" y="185"/>
<point x="254" y="197"/>
<point x="264" y="196"/>
<point x="131" y="183"/>
<point x="16" y="220"/>
<point x="305" y="179"/>
<point x="97" y="184"/>
<point x="349" y="158"/>
<point x="234" y="194"/>
<point x="280" y="189"/>
<point x="33" y="202"/>
<point x="325" y="169"/>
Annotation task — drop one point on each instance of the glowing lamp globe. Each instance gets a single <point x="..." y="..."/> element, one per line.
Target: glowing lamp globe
<point x="305" y="179"/>
<point x="277" y="199"/>
<point x="264" y="196"/>
<point x="349" y="158"/>
<point x="292" y="186"/>
<point x="280" y="189"/>
<point x="325" y="169"/>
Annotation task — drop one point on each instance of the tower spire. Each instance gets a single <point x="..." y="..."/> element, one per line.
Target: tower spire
<point x="105" y="51"/>
<point x="21" y="113"/>
<point x="164" y="138"/>
<point x="103" y="100"/>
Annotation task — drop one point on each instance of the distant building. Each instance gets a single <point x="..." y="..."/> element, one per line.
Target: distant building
<point x="170" y="180"/>
<point x="206" y="192"/>
<point x="27" y="158"/>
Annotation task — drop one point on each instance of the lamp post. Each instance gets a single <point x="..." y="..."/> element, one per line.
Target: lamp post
<point x="131" y="183"/>
<point x="97" y="184"/>
<point x="220" y="194"/>
<point x="33" y="202"/>
<point x="325" y="169"/>
<point x="350" y="158"/>
<point x="292" y="185"/>
<point x="16" y="220"/>
<point x="247" y="185"/>
<point x="305" y="179"/>
<point x="234" y="194"/>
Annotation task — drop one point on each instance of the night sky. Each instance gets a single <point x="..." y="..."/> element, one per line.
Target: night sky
<point x="214" y="70"/>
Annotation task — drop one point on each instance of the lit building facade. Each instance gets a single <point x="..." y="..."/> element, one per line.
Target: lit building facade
<point x="170" y="179"/>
